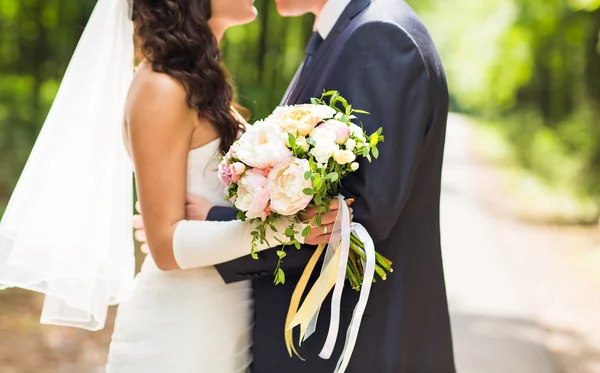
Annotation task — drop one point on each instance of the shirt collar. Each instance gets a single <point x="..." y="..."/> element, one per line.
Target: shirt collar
<point x="332" y="10"/>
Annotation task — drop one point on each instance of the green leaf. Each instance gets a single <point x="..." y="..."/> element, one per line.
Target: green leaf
<point x="280" y="279"/>
<point x="289" y="232"/>
<point x="317" y="182"/>
<point x="360" y="111"/>
<point x="318" y="220"/>
<point x="329" y="93"/>
<point x="318" y="199"/>
<point x="345" y="104"/>
<point x="278" y="240"/>
<point x="254" y="255"/>
<point x="297" y="244"/>
<point x="273" y="228"/>
<point x="314" y="101"/>
<point x="292" y="140"/>
<point x="311" y="142"/>
<point x="333" y="176"/>
<point x="375" y="152"/>
<point x="307" y="175"/>
<point x="308" y="191"/>
<point x="281" y="254"/>
<point x="374" y="139"/>
<point x="379" y="131"/>
<point x="306" y="231"/>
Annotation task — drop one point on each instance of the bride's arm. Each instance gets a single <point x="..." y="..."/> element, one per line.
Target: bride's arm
<point x="160" y="128"/>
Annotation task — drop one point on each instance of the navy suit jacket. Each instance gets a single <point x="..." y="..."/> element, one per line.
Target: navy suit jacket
<point x="381" y="58"/>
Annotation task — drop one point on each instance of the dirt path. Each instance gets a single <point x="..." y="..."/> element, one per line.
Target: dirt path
<point x="524" y="296"/>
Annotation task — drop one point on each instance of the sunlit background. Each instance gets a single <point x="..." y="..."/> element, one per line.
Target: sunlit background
<point x="521" y="193"/>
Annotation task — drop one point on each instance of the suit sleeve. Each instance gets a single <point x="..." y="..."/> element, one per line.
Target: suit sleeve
<point x="381" y="70"/>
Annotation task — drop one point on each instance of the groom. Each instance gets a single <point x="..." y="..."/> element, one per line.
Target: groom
<point x="380" y="57"/>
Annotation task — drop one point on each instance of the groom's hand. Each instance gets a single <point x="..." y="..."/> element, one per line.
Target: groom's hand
<point x="322" y="234"/>
<point x="196" y="208"/>
<point x="138" y="226"/>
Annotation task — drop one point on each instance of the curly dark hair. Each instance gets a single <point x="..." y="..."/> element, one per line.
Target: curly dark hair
<point x="177" y="40"/>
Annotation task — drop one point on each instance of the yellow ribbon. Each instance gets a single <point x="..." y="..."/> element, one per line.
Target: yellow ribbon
<point x="295" y="301"/>
<point x="313" y="301"/>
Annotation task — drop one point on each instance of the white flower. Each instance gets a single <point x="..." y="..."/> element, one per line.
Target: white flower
<point x="350" y="144"/>
<point x="301" y="142"/>
<point x="324" y="152"/>
<point x="354" y="166"/>
<point x="286" y="184"/>
<point x="325" y="145"/>
<point x="262" y="146"/>
<point x="344" y="156"/>
<point x="301" y="119"/>
<point x="322" y="136"/>
<point x="357" y="132"/>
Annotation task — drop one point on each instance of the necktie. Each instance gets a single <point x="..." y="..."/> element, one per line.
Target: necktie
<point x="311" y="49"/>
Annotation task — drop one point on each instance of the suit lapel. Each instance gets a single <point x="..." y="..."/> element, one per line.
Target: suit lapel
<point x="292" y="85"/>
<point x="351" y="11"/>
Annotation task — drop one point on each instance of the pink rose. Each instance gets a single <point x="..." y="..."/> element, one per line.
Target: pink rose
<point x="224" y="171"/>
<point x="341" y="130"/>
<point x="253" y="194"/>
<point x="286" y="183"/>
<point x="233" y="150"/>
<point x="237" y="169"/>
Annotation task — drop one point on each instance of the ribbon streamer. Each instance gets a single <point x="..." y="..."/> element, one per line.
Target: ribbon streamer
<point x="333" y="274"/>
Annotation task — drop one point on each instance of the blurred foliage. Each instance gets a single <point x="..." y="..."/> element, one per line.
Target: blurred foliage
<point x="533" y="67"/>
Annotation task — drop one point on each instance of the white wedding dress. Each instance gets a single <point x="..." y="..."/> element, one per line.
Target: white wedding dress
<point x="185" y="321"/>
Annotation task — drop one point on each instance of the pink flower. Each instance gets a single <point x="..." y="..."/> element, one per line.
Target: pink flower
<point x="267" y="172"/>
<point x="253" y="194"/>
<point x="233" y="150"/>
<point x="237" y="169"/>
<point x="286" y="183"/>
<point x="224" y="171"/>
<point x="341" y="130"/>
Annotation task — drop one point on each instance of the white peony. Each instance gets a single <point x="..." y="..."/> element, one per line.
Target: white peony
<point x="301" y="119"/>
<point x="262" y="146"/>
<point x="286" y="184"/>
<point x="350" y="144"/>
<point x="344" y="156"/>
<point x="325" y="145"/>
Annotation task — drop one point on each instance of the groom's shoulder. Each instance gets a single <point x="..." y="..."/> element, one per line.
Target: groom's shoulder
<point x="392" y="18"/>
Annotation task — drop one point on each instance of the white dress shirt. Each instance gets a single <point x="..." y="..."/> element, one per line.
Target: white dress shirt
<point x="329" y="16"/>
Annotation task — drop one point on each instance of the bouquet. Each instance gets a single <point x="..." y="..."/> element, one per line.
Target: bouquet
<point x="296" y="158"/>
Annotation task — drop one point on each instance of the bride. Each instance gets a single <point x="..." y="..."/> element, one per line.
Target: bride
<point x="67" y="230"/>
<point x="179" y="118"/>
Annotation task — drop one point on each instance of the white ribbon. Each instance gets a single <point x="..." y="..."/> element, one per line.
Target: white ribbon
<point x="359" y="310"/>
<point x="340" y="240"/>
<point x="339" y="235"/>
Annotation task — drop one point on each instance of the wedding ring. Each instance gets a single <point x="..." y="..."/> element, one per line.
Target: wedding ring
<point x="325" y="230"/>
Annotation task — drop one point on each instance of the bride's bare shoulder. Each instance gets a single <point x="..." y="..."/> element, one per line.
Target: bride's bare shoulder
<point x="154" y="88"/>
